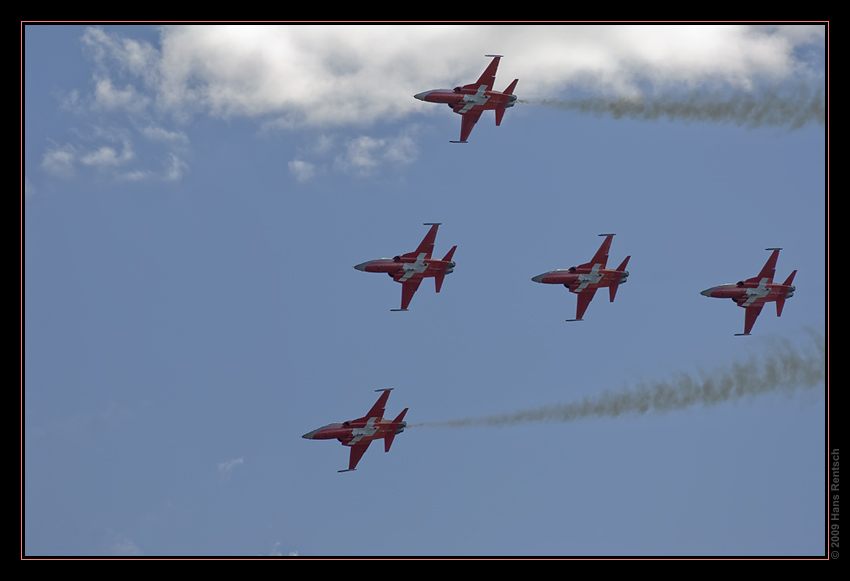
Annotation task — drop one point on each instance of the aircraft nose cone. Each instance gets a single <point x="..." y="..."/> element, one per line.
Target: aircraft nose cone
<point x="706" y="292"/>
<point x="362" y="265"/>
<point x="421" y="96"/>
<point x="539" y="277"/>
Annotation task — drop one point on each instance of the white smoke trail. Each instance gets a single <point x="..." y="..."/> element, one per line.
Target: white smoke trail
<point x="785" y="368"/>
<point x="794" y="109"/>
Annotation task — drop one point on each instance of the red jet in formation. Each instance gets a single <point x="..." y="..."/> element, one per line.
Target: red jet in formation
<point x="472" y="100"/>
<point x="409" y="269"/>
<point x="361" y="432"/>
<point x="754" y="292"/>
<point x="584" y="279"/>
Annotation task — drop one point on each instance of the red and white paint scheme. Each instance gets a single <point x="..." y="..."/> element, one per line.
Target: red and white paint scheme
<point x="753" y="293"/>
<point x="584" y="279"/>
<point x="359" y="433"/>
<point x="409" y="269"/>
<point x="472" y="100"/>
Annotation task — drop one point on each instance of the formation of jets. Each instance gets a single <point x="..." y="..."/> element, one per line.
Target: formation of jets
<point x="470" y="101"/>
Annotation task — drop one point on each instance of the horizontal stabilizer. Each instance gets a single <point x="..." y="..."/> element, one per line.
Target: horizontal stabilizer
<point x="438" y="281"/>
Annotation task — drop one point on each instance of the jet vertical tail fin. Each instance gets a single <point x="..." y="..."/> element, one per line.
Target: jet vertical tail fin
<point x="780" y="302"/>
<point x="612" y="290"/>
<point x="790" y="279"/>
<point x="388" y="439"/>
<point x="438" y="279"/>
<point x="500" y="110"/>
<point x="450" y="253"/>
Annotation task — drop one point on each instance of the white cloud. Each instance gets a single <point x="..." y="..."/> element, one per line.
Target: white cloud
<point x="122" y="545"/>
<point x="106" y="156"/>
<point x="160" y="134"/>
<point x="357" y="75"/>
<point x="174" y="168"/>
<point x="225" y="468"/>
<point x="302" y="170"/>
<point x="59" y="160"/>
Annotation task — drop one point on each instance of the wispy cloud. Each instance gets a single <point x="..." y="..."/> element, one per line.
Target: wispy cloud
<point x="330" y="77"/>
<point x="121" y="545"/>
<point x="302" y="170"/>
<point x="225" y="468"/>
<point x="356" y="75"/>
<point x="59" y="160"/>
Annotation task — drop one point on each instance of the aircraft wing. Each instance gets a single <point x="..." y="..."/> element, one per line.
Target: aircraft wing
<point x="408" y="289"/>
<point x="377" y="410"/>
<point x="750" y="316"/>
<point x="584" y="297"/>
<point x="601" y="256"/>
<point x="467" y="122"/>
<point x="357" y="451"/>
<point x="488" y="77"/>
<point x="769" y="268"/>
<point x="427" y="244"/>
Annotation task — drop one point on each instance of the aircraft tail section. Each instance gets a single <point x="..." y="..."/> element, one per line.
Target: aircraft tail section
<point x="438" y="279"/>
<point x="780" y="302"/>
<point x="790" y="279"/>
<point x="450" y="253"/>
<point x="396" y="429"/>
<point x="500" y="110"/>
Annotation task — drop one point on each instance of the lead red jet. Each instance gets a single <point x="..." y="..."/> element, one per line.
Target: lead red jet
<point x="753" y="293"/>
<point x="359" y="433"/>
<point x="472" y="100"/>
<point x="584" y="279"/>
<point x="409" y="269"/>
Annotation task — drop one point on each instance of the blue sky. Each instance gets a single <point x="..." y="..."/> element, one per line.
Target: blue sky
<point x="196" y="198"/>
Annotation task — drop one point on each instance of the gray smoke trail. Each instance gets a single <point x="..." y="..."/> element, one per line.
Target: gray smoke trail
<point x="786" y="368"/>
<point x="772" y="108"/>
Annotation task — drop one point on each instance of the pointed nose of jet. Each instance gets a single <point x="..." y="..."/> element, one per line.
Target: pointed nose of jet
<point x="707" y="292"/>
<point x="539" y="277"/>
<point x="362" y="266"/>
<point x="421" y="96"/>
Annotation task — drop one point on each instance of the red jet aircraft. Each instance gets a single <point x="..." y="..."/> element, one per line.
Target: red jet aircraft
<point x="359" y="433"/>
<point x="472" y="100"/>
<point x="409" y="269"/>
<point x="754" y="292"/>
<point x="584" y="279"/>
